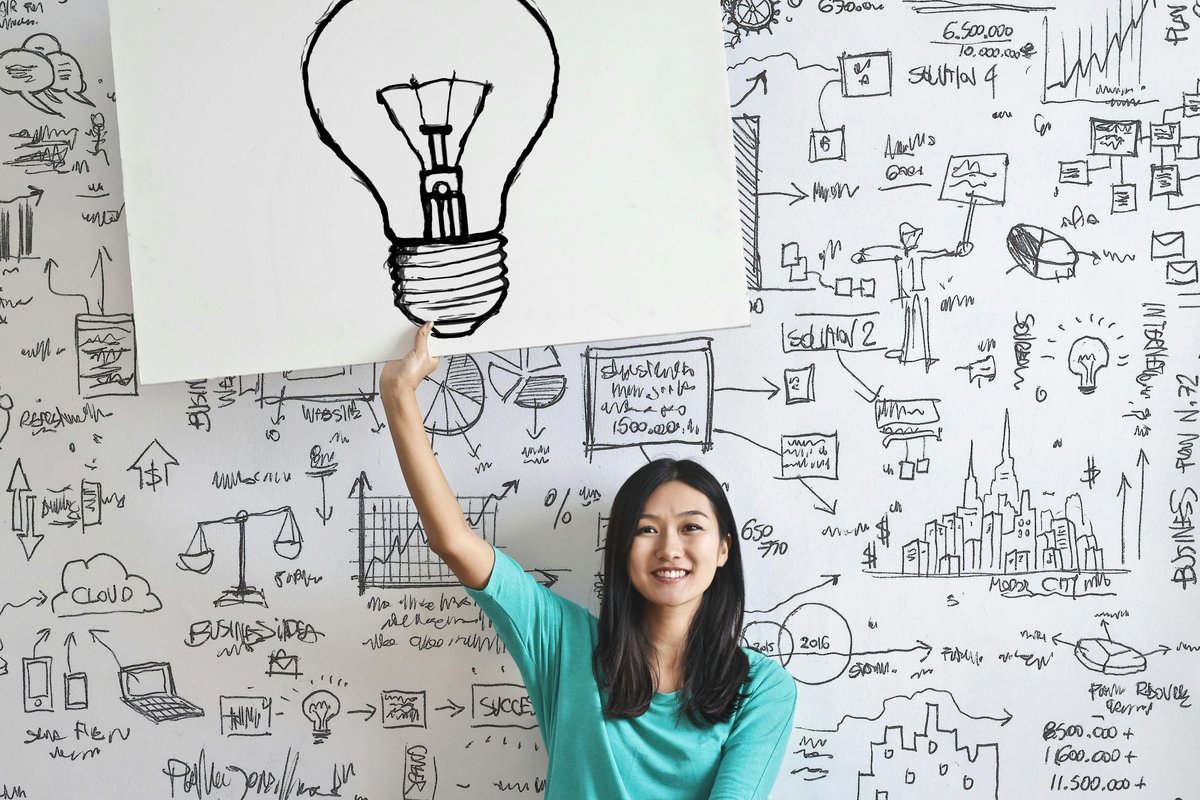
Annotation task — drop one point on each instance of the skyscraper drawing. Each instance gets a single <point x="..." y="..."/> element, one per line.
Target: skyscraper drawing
<point x="1000" y="532"/>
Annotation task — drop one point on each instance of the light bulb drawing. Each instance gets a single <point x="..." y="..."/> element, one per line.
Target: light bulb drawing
<point x="319" y="708"/>
<point x="1088" y="356"/>
<point x="397" y="89"/>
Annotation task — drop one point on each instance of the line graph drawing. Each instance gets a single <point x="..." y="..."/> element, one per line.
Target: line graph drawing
<point x="1096" y="60"/>
<point x="393" y="552"/>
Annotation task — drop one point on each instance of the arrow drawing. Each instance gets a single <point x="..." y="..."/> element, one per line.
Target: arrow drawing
<point x="40" y="597"/>
<point x="755" y="81"/>
<point x="830" y="580"/>
<point x="1142" y="461"/>
<point x="770" y="393"/>
<point x="456" y="709"/>
<point x="152" y="466"/>
<point x="797" y="194"/>
<point x="369" y="711"/>
<point x="102" y="643"/>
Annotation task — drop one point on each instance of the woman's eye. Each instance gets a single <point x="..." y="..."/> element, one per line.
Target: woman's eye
<point x="646" y="530"/>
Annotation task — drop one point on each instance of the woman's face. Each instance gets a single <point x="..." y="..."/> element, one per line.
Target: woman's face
<point x="677" y="547"/>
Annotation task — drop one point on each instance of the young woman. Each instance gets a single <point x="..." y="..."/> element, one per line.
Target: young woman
<point x="655" y="699"/>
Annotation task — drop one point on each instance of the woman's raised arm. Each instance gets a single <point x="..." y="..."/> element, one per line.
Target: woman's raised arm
<point x="468" y="556"/>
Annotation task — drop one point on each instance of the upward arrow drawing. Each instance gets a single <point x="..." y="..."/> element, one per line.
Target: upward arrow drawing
<point x="148" y="465"/>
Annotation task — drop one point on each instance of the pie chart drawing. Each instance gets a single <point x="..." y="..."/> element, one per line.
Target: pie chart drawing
<point x="1109" y="657"/>
<point x="528" y="378"/>
<point x="451" y="399"/>
<point x="813" y="644"/>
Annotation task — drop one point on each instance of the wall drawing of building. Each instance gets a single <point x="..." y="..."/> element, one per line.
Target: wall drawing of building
<point x="934" y="766"/>
<point x="1000" y="532"/>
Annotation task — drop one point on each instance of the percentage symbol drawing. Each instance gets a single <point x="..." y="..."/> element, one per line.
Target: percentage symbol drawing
<point x="561" y="514"/>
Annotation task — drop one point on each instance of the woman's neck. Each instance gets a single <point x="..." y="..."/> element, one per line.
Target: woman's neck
<point x="667" y="631"/>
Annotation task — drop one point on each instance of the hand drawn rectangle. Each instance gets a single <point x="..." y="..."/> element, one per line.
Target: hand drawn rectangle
<point x="1182" y="273"/>
<point x="798" y="385"/>
<point x="1164" y="180"/>
<point x="420" y="774"/>
<point x="1189" y="148"/>
<point x="1167" y="245"/>
<point x="36" y="688"/>
<point x="1165" y="134"/>
<point x="245" y="716"/>
<point x="1191" y="104"/>
<point x="981" y="179"/>
<point x="809" y="455"/>
<point x="1115" y="137"/>
<point x="106" y="355"/>
<point x="1124" y="198"/>
<point x="75" y="691"/>
<point x="891" y="415"/>
<point x="1073" y="172"/>
<point x="401" y="709"/>
<point x="648" y="394"/>
<point x="866" y="74"/>
<point x="851" y="333"/>
<point x="827" y="145"/>
<point x="501" y="705"/>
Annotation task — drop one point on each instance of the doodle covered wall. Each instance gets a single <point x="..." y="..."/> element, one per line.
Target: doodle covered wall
<point x="959" y="436"/>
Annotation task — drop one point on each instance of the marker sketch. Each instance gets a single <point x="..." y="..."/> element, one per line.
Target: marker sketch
<point x="448" y="104"/>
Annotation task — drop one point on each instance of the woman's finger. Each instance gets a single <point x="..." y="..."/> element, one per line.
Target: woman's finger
<point x="421" y="345"/>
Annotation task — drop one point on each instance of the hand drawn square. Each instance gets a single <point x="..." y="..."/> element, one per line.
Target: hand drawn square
<point x="827" y="145"/>
<point x="866" y="74"/>
<point x="843" y="287"/>
<point x="1191" y="104"/>
<point x="1165" y="134"/>
<point x="1182" y="273"/>
<point x="1167" y="245"/>
<point x="1073" y="172"/>
<point x="809" y="455"/>
<point x="799" y="385"/>
<point x="1189" y="148"/>
<point x="1115" y="137"/>
<point x="1124" y="198"/>
<point x="1164" y="180"/>
<point x="866" y="287"/>
<point x="401" y="709"/>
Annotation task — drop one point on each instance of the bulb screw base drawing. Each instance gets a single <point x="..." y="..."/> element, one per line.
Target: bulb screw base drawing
<point x="455" y="285"/>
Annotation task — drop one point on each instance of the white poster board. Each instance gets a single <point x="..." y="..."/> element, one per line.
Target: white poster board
<point x="257" y="231"/>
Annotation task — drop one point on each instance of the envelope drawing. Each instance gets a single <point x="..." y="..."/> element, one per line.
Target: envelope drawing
<point x="1182" y="273"/>
<point x="1166" y="245"/>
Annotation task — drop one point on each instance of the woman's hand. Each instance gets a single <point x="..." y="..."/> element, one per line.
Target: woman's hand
<point x="407" y="373"/>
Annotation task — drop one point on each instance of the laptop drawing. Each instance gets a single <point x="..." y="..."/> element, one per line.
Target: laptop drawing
<point x="149" y="689"/>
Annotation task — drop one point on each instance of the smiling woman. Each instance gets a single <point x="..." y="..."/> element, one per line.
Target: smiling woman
<point x="655" y="698"/>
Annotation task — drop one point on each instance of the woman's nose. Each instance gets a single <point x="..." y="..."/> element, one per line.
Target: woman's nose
<point x="670" y="545"/>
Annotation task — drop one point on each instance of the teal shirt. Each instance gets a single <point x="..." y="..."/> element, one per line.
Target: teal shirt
<point x="653" y="757"/>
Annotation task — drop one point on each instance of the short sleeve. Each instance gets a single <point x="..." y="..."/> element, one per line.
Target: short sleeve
<point x="528" y="617"/>
<point x="753" y="753"/>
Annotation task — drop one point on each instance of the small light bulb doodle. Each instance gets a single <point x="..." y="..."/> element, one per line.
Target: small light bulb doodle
<point x="320" y="707"/>
<point x="1088" y="356"/>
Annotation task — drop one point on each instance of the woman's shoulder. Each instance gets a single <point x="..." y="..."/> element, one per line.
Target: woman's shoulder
<point x="767" y="675"/>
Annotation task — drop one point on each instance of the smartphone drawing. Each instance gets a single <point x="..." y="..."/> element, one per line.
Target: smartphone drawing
<point x="35" y="683"/>
<point x="75" y="690"/>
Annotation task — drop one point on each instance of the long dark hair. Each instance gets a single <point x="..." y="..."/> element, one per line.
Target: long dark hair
<point x="714" y="665"/>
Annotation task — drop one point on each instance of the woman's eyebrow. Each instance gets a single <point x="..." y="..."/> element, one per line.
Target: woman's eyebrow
<point x="693" y="513"/>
